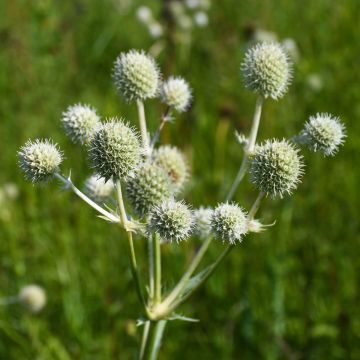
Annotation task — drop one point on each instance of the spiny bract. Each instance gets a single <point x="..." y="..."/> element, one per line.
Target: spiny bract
<point x="175" y="92"/>
<point x="172" y="161"/>
<point x="115" y="150"/>
<point x="98" y="189"/>
<point x="266" y="70"/>
<point x="202" y="222"/>
<point x="323" y="133"/>
<point x="276" y="167"/>
<point x="80" y="123"/>
<point x="149" y="186"/>
<point x="172" y="220"/>
<point x="229" y="222"/>
<point x="39" y="160"/>
<point x="136" y="76"/>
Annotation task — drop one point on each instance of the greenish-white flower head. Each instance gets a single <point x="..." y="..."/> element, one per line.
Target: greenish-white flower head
<point x="80" y="122"/>
<point x="39" y="160"/>
<point x="176" y="93"/>
<point x="33" y="298"/>
<point x="171" y="220"/>
<point x="202" y="222"/>
<point x="276" y="167"/>
<point x="229" y="223"/>
<point x="98" y="189"/>
<point x="173" y="162"/>
<point x="136" y="76"/>
<point x="149" y="186"/>
<point x="267" y="70"/>
<point x="115" y="150"/>
<point x="323" y="133"/>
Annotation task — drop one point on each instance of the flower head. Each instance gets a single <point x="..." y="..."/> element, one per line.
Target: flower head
<point x="98" y="189"/>
<point x="229" y="222"/>
<point x="80" y="123"/>
<point x="202" y="222"/>
<point x="115" y="150"/>
<point x="149" y="186"/>
<point x="172" y="220"/>
<point x="39" y="160"/>
<point x="266" y="70"/>
<point x="172" y="161"/>
<point x="276" y="167"/>
<point x="176" y="93"/>
<point x="33" y="297"/>
<point x="323" y="133"/>
<point x="136" y="76"/>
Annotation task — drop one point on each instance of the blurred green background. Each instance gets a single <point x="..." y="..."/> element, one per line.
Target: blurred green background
<point x="291" y="292"/>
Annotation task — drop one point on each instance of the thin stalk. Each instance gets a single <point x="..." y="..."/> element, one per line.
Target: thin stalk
<point x="151" y="267"/>
<point x="256" y="206"/>
<point x="153" y="346"/>
<point x="164" y="120"/>
<point x="143" y="127"/>
<point x="82" y="196"/>
<point x="144" y="339"/>
<point x="187" y="275"/>
<point x="157" y="258"/>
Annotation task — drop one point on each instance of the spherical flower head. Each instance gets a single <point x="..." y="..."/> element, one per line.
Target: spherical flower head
<point x="202" y="222"/>
<point x="115" y="150"/>
<point x="323" y="133"/>
<point x="33" y="297"/>
<point x="136" y="76"/>
<point x="80" y="123"/>
<point x="149" y="186"/>
<point x="266" y="70"/>
<point x="171" y="220"/>
<point x="39" y="160"/>
<point x="176" y="93"/>
<point x="172" y="161"/>
<point x="98" y="189"/>
<point x="276" y="167"/>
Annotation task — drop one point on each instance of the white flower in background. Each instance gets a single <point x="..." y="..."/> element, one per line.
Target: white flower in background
<point x="33" y="297"/>
<point x="144" y="14"/>
<point x="291" y="47"/>
<point x="193" y="4"/>
<point x="155" y="30"/>
<point x="261" y="35"/>
<point x="314" y="82"/>
<point x="201" y="19"/>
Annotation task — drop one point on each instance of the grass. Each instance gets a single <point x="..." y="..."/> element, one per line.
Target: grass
<point x="289" y="292"/>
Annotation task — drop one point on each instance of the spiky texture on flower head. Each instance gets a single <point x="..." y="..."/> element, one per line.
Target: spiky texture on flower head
<point x="176" y="93"/>
<point x="229" y="222"/>
<point x="33" y="297"/>
<point x="80" y="123"/>
<point x="115" y="150"/>
<point x="202" y="222"/>
<point x="172" y="161"/>
<point x="136" y="76"/>
<point x="149" y="186"/>
<point x="266" y="70"/>
<point x="276" y="167"/>
<point x="323" y="133"/>
<point x="39" y="160"/>
<point x="172" y="220"/>
<point x="98" y="189"/>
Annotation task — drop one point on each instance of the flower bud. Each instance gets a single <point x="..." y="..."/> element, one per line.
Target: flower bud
<point x="229" y="223"/>
<point x="136" y="76"/>
<point x="175" y="93"/>
<point x="149" y="186"/>
<point x="80" y="123"/>
<point x="114" y="150"/>
<point x="98" y="189"/>
<point x="33" y="297"/>
<point x="39" y="160"/>
<point x="172" y="220"/>
<point x="202" y="221"/>
<point x="266" y="70"/>
<point x="276" y="167"/>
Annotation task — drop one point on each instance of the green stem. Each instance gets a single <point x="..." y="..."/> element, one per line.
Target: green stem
<point x="144" y="339"/>
<point x="157" y="257"/>
<point x="143" y="128"/>
<point x="256" y="206"/>
<point x="151" y="267"/>
<point x="153" y="346"/>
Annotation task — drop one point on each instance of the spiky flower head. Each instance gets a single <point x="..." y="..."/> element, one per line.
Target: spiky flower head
<point x="39" y="160"/>
<point x="323" y="133"/>
<point x="202" y="222"/>
<point x="80" y="123"/>
<point x="98" y="189"/>
<point x="176" y="93"/>
<point x="173" y="162"/>
<point x="115" y="150"/>
<point x="276" y="167"/>
<point x="172" y="220"/>
<point x="136" y="76"/>
<point x="149" y="186"/>
<point x="33" y="297"/>
<point x="229" y="222"/>
<point x="267" y="70"/>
